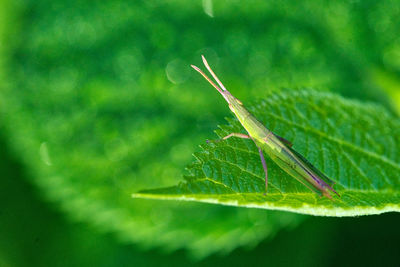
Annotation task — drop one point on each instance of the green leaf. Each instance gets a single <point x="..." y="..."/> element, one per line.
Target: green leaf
<point x="95" y="109"/>
<point x="356" y="145"/>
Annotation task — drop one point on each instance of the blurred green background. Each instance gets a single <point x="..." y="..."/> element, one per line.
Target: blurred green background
<point x="98" y="101"/>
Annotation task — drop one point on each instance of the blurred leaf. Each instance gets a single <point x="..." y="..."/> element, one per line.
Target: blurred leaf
<point x="92" y="123"/>
<point x="355" y="144"/>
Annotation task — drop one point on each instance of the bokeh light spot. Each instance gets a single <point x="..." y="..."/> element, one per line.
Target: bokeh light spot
<point x="44" y="154"/>
<point x="177" y="71"/>
<point x="208" y="7"/>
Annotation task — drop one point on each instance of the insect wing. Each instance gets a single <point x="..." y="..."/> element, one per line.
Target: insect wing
<point x="297" y="166"/>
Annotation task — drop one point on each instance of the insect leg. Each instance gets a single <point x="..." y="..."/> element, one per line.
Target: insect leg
<point x="265" y="168"/>
<point x="244" y="136"/>
<point x="239" y="135"/>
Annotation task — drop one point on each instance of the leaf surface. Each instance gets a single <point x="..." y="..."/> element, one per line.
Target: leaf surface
<point x="354" y="144"/>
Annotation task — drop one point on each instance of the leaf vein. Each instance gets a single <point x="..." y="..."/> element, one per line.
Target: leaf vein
<point x="343" y="143"/>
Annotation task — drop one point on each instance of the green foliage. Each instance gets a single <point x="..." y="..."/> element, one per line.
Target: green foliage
<point x="97" y="99"/>
<point x="354" y="144"/>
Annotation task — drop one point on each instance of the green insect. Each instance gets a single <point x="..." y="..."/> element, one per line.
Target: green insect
<point x="278" y="149"/>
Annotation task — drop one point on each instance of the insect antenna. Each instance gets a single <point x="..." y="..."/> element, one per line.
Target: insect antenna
<point x="222" y="91"/>
<point x="208" y="79"/>
<point x="212" y="73"/>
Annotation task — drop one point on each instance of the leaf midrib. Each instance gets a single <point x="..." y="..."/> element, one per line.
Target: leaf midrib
<point x="280" y="193"/>
<point x="271" y="194"/>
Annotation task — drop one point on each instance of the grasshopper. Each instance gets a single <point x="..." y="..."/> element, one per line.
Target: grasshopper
<point x="277" y="148"/>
